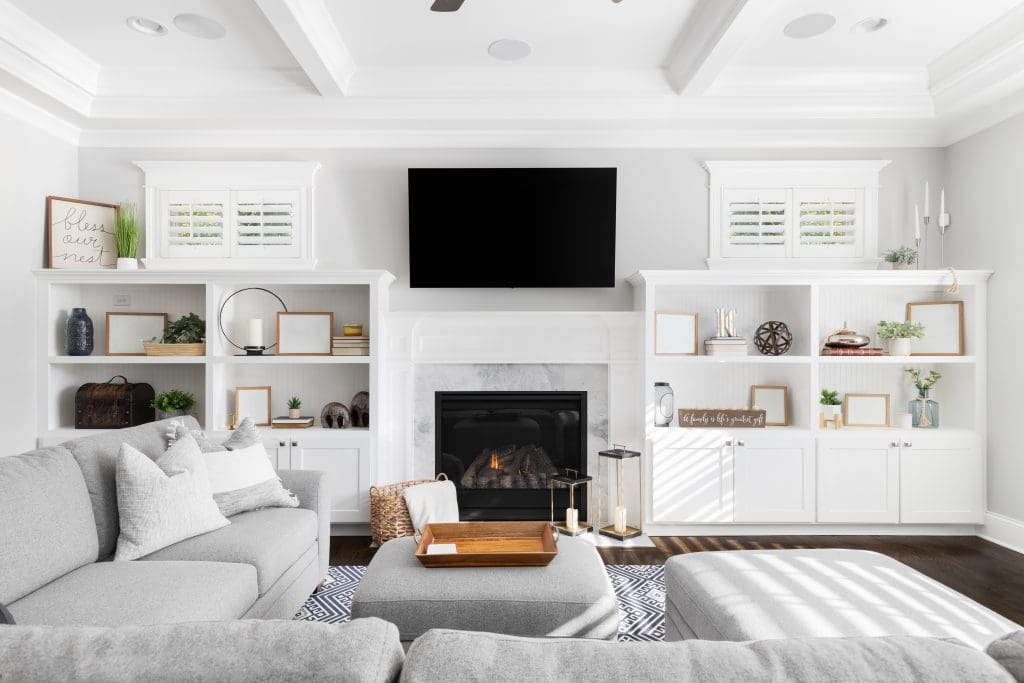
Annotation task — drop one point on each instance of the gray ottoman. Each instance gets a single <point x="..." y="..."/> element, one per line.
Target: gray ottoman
<point x="745" y="595"/>
<point x="571" y="597"/>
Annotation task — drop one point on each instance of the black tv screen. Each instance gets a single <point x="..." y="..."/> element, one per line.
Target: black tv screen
<point x="512" y="227"/>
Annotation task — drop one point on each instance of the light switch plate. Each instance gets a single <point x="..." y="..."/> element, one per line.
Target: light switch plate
<point x="122" y="299"/>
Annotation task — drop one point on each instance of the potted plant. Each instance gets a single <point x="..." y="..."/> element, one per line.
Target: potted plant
<point x="294" y="404"/>
<point x="901" y="258"/>
<point x="924" y="411"/>
<point x="126" y="234"/>
<point x="898" y="335"/>
<point x="186" y="336"/>
<point x="173" y="403"/>
<point x="830" y="404"/>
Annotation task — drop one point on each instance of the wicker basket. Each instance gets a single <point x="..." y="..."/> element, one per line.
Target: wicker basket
<point x="389" y="516"/>
<point x="158" y="349"/>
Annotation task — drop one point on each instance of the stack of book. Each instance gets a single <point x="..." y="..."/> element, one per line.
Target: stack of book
<point x="866" y="351"/>
<point x="285" y="422"/>
<point x="725" y="346"/>
<point x="350" y="346"/>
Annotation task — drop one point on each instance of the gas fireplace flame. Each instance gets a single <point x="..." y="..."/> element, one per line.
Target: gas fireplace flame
<point x="495" y="461"/>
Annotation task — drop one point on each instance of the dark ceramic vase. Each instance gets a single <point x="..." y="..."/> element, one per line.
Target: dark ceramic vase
<point x="78" y="333"/>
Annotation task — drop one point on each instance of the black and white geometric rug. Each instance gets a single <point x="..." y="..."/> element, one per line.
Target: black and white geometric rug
<point x="639" y="590"/>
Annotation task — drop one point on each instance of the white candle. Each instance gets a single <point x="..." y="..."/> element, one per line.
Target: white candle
<point x="917" y="222"/>
<point x="255" y="332"/>
<point x="942" y="203"/>
<point x="926" y="214"/>
<point x="572" y="518"/>
<point x="620" y="519"/>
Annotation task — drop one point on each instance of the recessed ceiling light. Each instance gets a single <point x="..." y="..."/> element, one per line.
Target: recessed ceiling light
<point x="199" y="26"/>
<point x="146" y="26"/>
<point x="869" y="25"/>
<point x="508" y="49"/>
<point x="809" y="25"/>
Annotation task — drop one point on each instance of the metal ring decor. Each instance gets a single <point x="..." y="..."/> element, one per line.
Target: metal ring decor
<point x="220" y="313"/>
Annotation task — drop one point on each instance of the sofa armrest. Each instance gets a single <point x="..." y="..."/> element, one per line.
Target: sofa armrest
<point x="5" y="617"/>
<point x="312" y="490"/>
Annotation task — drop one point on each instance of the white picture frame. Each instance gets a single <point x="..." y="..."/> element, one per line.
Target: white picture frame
<point x="675" y="334"/>
<point x="774" y="400"/>
<point x="304" y="333"/>
<point x="126" y="332"/>
<point x="943" y="327"/>
<point x="253" y="402"/>
<point x="866" y="410"/>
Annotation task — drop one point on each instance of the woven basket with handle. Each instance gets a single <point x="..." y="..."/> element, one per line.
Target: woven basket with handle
<point x="389" y="516"/>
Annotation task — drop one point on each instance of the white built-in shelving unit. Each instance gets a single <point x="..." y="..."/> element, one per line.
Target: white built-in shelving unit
<point x="352" y="296"/>
<point x="802" y="474"/>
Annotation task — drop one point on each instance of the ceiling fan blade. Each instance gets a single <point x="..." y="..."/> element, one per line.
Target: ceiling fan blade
<point x="446" y="5"/>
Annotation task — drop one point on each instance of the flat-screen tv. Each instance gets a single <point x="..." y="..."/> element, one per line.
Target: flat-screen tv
<point x="512" y="227"/>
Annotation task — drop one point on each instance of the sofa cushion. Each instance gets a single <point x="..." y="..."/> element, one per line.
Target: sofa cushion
<point x="46" y="522"/>
<point x="364" y="650"/>
<point x="97" y="458"/>
<point x="271" y="540"/>
<point x="463" y="656"/>
<point x="1009" y="652"/>
<point x="125" y="593"/>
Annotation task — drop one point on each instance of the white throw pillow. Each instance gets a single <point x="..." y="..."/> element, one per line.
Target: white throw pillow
<point x="246" y="434"/>
<point x="163" y="502"/>
<point x="243" y="479"/>
<point x="434" y="501"/>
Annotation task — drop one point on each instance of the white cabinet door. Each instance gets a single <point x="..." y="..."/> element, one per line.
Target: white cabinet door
<point x="858" y="479"/>
<point x="692" y="480"/>
<point x="278" y="452"/>
<point x="942" y="479"/>
<point x="347" y="463"/>
<point x="774" y="478"/>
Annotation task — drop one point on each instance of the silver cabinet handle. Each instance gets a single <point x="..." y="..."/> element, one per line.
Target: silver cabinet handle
<point x="908" y="444"/>
<point x="894" y="444"/>
<point x="728" y="442"/>
<point x="741" y="443"/>
<point x="295" y="443"/>
<point x="280" y="444"/>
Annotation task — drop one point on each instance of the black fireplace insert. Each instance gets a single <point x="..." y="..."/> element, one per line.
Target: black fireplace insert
<point x="501" y="449"/>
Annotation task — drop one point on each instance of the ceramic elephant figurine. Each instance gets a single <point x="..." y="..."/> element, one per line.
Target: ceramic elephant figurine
<point x="335" y="416"/>
<point x="361" y="409"/>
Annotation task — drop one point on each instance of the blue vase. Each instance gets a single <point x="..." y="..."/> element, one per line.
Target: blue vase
<point x="78" y="333"/>
<point x="924" y="410"/>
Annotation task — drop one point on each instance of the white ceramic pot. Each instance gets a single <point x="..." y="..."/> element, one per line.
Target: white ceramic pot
<point x="127" y="264"/>
<point x="899" y="266"/>
<point x="830" y="412"/>
<point x="899" y="347"/>
<point x="294" y="413"/>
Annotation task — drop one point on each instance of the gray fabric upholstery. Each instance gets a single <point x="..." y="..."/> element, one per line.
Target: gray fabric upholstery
<point x="364" y="651"/>
<point x="759" y="594"/>
<point x="442" y="655"/>
<point x="97" y="458"/>
<point x="140" y="593"/>
<point x="271" y="540"/>
<point x="572" y="596"/>
<point x="46" y="522"/>
<point x="1009" y="652"/>
<point x="310" y="487"/>
<point x="5" y="616"/>
<point x="286" y="597"/>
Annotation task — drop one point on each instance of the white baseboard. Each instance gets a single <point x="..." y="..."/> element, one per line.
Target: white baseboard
<point x="1005" y="531"/>
<point x="812" y="530"/>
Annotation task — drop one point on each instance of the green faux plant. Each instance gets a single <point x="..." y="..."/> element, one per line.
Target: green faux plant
<point x="923" y="383"/>
<point x="294" y="403"/>
<point x="126" y="230"/>
<point x="892" y="329"/>
<point x="904" y="255"/>
<point x="188" y="329"/>
<point x="175" y="399"/>
<point x="830" y="398"/>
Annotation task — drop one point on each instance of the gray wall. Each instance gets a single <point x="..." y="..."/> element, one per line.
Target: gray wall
<point x="984" y="183"/>
<point x="362" y="219"/>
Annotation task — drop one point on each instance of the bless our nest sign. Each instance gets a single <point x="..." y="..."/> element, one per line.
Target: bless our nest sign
<point x="81" y="234"/>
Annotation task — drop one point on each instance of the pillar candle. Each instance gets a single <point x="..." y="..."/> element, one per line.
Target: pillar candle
<point x="255" y="332"/>
<point x="926" y="214"/>
<point x="572" y="518"/>
<point x="620" y="519"/>
<point x="917" y="223"/>
<point x="942" y="203"/>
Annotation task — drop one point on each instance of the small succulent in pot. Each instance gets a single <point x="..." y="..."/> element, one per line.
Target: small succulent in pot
<point x="294" y="406"/>
<point x="899" y="334"/>
<point x="173" y="403"/>
<point x="901" y="258"/>
<point x="830" y="403"/>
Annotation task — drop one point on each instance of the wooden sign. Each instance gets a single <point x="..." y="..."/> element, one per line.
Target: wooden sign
<point x="719" y="418"/>
<point x="80" y="234"/>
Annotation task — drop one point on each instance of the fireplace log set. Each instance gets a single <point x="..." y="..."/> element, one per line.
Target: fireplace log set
<point x="510" y="467"/>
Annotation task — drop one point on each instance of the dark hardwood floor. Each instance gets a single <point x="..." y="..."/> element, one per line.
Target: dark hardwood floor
<point x="984" y="571"/>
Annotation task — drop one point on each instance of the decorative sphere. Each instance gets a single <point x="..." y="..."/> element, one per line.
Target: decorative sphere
<point x="773" y="338"/>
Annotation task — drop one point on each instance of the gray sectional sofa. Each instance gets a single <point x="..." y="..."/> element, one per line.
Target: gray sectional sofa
<point x="59" y="527"/>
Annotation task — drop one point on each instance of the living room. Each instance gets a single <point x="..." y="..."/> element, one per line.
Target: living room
<point x="472" y="339"/>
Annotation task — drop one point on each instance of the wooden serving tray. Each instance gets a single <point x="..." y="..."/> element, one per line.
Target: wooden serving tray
<point x="489" y="544"/>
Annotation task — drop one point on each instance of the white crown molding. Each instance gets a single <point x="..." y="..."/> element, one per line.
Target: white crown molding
<point x="308" y="30"/>
<point x="905" y="82"/>
<point x="216" y="83"/>
<point x="954" y="128"/>
<point x="37" y="117"/>
<point x="709" y="39"/>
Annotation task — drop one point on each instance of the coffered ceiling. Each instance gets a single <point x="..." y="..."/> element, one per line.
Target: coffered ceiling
<point x="695" y="73"/>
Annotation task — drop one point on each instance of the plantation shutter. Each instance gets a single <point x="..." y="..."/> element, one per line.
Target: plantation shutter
<point x="265" y="223"/>
<point x="194" y="224"/>
<point x="755" y="223"/>
<point x="830" y="223"/>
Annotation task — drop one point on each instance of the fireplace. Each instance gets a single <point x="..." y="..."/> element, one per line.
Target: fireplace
<point x="502" y="447"/>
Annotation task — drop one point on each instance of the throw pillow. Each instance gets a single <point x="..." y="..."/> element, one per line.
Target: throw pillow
<point x="243" y="479"/>
<point x="163" y="502"/>
<point x="435" y="501"/>
<point x="245" y="435"/>
<point x="1009" y="652"/>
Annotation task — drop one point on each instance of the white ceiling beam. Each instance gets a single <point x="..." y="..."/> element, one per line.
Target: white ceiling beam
<point x="713" y="34"/>
<point x="308" y="30"/>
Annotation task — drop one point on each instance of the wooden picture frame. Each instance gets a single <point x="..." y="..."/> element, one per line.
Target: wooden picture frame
<point x="774" y="401"/>
<point x="304" y="333"/>
<point x="127" y="330"/>
<point x="676" y="334"/>
<point x="943" y="327"/>
<point x="867" y="410"/>
<point x="80" y="235"/>
<point x="249" y="400"/>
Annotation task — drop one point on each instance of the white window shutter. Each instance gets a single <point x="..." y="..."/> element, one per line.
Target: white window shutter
<point x="265" y="223"/>
<point x="193" y="224"/>
<point x="830" y="223"/>
<point x="755" y="223"/>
